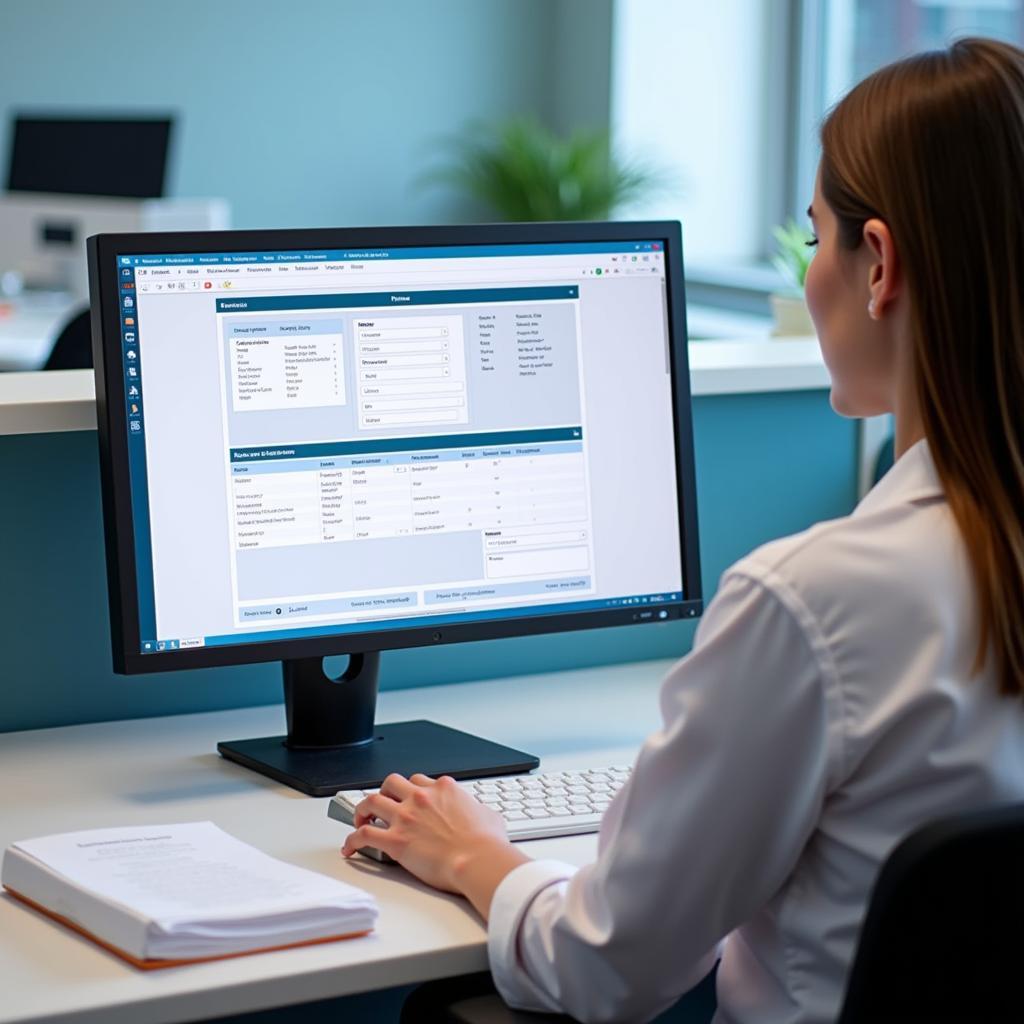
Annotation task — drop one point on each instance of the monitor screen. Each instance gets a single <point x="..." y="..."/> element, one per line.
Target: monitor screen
<point x="121" y="156"/>
<point x="324" y="443"/>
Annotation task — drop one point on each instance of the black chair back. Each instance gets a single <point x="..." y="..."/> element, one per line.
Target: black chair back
<point x="73" y="348"/>
<point x="942" y="939"/>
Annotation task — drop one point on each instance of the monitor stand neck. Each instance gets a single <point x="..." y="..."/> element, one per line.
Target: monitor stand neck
<point x="324" y="713"/>
<point x="333" y="743"/>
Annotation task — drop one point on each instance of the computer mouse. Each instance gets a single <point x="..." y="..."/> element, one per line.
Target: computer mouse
<point x="343" y="808"/>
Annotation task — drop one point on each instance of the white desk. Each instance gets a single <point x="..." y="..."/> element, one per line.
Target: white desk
<point x="166" y="770"/>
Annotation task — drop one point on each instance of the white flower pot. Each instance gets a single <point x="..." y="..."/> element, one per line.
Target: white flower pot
<point x="791" y="317"/>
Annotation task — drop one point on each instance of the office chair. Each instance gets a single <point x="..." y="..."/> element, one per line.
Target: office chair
<point x="942" y="936"/>
<point x="73" y="348"/>
<point x="941" y="940"/>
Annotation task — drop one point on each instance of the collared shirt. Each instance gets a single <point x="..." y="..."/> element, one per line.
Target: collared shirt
<point x="826" y="710"/>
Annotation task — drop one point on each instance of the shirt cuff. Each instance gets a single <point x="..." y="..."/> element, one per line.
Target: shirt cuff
<point x="510" y="904"/>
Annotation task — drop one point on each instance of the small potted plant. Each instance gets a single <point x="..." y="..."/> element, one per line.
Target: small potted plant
<point x="520" y="171"/>
<point x="789" y="310"/>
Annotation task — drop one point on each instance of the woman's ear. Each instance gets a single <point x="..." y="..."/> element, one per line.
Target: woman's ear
<point x="884" y="274"/>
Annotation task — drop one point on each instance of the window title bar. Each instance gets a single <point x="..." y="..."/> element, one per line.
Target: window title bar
<point x="267" y="303"/>
<point x="192" y="259"/>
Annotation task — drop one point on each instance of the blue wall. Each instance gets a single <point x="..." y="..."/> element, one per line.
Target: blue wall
<point x="767" y="465"/>
<point x="320" y="113"/>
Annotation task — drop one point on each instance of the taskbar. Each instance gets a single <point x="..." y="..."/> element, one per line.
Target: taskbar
<point x="649" y="608"/>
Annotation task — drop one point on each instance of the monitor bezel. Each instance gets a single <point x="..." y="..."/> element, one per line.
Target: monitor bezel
<point x="111" y="418"/>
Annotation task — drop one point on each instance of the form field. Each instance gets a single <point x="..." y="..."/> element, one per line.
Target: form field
<point x="396" y="333"/>
<point x="386" y="405"/>
<point x="384" y="361"/>
<point x="393" y="419"/>
<point x="425" y="373"/>
<point x="537" y="563"/>
<point x="431" y="388"/>
<point x="536" y="540"/>
<point x="399" y="348"/>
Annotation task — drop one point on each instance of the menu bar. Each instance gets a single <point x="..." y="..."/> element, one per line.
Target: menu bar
<point x="405" y="253"/>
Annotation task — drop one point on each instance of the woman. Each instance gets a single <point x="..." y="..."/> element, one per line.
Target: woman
<point x="846" y="684"/>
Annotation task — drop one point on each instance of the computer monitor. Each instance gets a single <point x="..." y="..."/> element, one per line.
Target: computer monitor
<point x="117" y="156"/>
<point x="346" y="441"/>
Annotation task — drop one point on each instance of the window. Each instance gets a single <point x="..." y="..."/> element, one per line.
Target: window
<point x="727" y="97"/>
<point x="845" y="40"/>
<point x="397" y="436"/>
<point x="690" y="85"/>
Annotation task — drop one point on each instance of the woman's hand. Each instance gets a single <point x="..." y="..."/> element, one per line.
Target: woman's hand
<point x="440" y="833"/>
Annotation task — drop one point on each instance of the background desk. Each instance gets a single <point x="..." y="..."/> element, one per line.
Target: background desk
<point x="162" y="770"/>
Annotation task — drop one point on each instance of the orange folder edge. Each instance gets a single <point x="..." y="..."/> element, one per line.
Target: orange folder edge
<point x="156" y="965"/>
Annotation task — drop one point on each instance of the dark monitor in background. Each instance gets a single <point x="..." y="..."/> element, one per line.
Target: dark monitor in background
<point x="123" y="157"/>
<point x="348" y="441"/>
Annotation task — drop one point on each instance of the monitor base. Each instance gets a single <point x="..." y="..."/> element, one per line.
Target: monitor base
<point x="403" y="747"/>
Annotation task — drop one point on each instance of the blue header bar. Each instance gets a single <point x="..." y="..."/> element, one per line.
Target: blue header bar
<point x="406" y="444"/>
<point x="200" y="259"/>
<point x="266" y="303"/>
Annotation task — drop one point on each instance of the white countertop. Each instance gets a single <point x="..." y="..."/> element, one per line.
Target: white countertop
<point x="165" y="770"/>
<point x="45" y="401"/>
<point x="34" y="403"/>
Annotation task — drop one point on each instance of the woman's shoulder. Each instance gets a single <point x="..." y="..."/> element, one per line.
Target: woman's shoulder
<point x="901" y="535"/>
<point x="901" y="554"/>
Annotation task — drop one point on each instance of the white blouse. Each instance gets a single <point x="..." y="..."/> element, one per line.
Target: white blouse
<point x="826" y="709"/>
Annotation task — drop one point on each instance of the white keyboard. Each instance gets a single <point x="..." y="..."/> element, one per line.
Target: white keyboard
<point x="534" y="806"/>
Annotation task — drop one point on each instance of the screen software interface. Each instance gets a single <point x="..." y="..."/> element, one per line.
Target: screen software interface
<point x="340" y="441"/>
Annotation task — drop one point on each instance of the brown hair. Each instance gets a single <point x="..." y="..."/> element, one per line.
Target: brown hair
<point x="934" y="146"/>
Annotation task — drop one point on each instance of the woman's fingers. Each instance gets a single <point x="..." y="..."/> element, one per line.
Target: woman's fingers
<point x="371" y="835"/>
<point x="377" y="805"/>
<point x="396" y="786"/>
<point x="420" y="779"/>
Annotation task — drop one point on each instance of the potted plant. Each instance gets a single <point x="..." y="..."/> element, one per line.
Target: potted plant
<point x="789" y="310"/>
<point x="521" y="171"/>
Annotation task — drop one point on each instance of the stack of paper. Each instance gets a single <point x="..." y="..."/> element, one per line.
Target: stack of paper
<point x="181" y="892"/>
